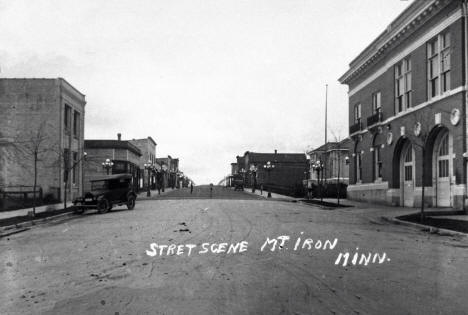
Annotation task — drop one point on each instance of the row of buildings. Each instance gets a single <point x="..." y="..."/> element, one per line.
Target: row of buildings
<point x="42" y="145"/>
<point x="408" y="119"/>
<point x="276" y="172"/>
<point x="321" y="172"/>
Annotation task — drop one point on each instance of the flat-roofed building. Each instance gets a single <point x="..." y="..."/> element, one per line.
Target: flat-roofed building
<point x="408" y="108"/>
<point x="42" y="128"/>
<point x="123" y="155"/>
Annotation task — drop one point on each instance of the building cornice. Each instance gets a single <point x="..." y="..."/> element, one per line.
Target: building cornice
<point x="401" y="28"/>
<point x="72" y="92"/>
<point x="111" y="144"/>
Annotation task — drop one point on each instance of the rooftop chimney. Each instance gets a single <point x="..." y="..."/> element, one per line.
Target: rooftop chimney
<point x="119" y="136"/>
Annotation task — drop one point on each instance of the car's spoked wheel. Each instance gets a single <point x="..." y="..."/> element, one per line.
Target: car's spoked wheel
<point x="103" y="206"/>
<point x="131" y="203"/>
<point x="79" y="210"/>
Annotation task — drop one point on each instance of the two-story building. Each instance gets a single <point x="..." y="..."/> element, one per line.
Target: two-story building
<point x="407" y="109"/>
<point x="329" y="169"/>
<point x="147" y="148"/>
<point x="123" y="157"/>
<point x="41" y="137"/>
<point x="279" y="172"/>
<point x="170" y="170"/>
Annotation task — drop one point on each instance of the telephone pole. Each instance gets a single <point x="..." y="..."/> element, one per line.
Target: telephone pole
<point x="326" y="96"/>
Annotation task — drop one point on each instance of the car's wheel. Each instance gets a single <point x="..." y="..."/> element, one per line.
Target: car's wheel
<point x="79" y="210"/>
<point x="131" y="202"/>
<point x="103" y="205"/>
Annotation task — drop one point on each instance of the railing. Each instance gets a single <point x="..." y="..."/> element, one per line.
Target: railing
<point x="356" y="127"/>
<point x="17" y="197"/>
<point x="375" y="118"/>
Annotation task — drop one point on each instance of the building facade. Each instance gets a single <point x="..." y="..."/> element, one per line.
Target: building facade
<point x="147" y="147"/>
<point x="42" y="129"/>
<point x="285" y="177"/>
<point x="125" y="158"/>
<point x="407" y="109"/>
<point x="329" y="169"/>
<point x="170" y="169"/>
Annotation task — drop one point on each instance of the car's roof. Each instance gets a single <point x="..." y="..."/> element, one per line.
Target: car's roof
<point x="114" y="176"/>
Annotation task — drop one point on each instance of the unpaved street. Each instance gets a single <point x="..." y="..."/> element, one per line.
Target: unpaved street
<point x="97" y="264"/>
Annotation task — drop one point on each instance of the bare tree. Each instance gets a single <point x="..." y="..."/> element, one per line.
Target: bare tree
<point x="31" y="149"/>
<point x="422" y="123"/>
<point x="338" y="139"/>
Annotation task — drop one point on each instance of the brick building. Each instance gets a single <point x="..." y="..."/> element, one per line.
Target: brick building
<point x="286" y="177"/>
<point x="408" y="95"/>
<point x="124" y="155"/>
<point x="170" y="167"/>
<point x="332" y="157"/>
<point x="47" y="114"/>
<point x="147" y="148"/>
<point x="233" y="168"/>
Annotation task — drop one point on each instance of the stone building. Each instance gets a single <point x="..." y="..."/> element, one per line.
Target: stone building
<point x="147" y="148"/>
<point x="44" y="116"/>
<point x="408" y="108"/>
<point x="125" y="158"/>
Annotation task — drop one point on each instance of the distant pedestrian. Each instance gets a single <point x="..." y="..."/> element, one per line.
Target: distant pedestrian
<point x="261" y="189"/>
<point x="191" y="187"/>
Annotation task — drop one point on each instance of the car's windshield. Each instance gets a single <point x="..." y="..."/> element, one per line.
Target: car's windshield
<point x="99" y="185"/>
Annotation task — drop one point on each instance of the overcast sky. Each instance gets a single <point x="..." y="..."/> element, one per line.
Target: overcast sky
<point x="207" y="79"/>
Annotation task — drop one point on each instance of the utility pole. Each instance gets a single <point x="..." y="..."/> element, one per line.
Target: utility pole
<point x="326" y="105"/>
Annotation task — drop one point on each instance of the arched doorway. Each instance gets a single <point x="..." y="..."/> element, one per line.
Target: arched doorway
<point x="407" y="172"/>
<point x="442" y="157"/>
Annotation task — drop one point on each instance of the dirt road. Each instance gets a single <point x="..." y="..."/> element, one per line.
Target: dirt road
<point x="98" y="264"/>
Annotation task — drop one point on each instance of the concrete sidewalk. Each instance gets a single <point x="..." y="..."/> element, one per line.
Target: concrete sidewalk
<point x="59" y="206"/>
<point x="391" y="214"/>
<point x="22" y="212"/>
<point x="275" y="196"/>
<point x="154" y="193"/>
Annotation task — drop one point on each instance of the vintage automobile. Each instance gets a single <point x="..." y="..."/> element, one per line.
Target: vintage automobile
<point x="238" y="182"/>
<point x="106" y="192"/>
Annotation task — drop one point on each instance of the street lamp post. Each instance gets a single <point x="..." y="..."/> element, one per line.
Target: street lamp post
<point x="148" y="167"/>
<point x="269" y="167"/>
<point x="107" y="165"/>
<point x="180" y="178"/>
<point x="253" y="170"/>
<point x="242" y="172"/>
<point x="164" y="176"/>
<point x="318" y="167"/>
<point x="306" y="176"/>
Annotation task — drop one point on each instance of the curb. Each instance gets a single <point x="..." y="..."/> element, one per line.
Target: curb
<point x="273" y="198"/>
<point x="424" y="228"/>
<point x="11" y="229"/>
